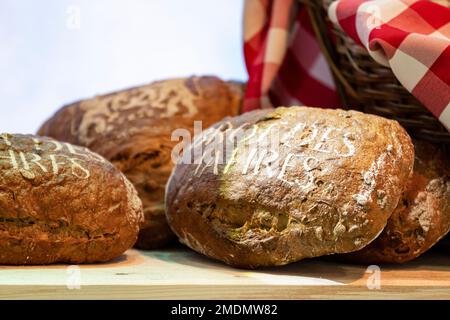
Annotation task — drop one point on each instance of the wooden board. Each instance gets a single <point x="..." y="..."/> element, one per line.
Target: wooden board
<point x="179" y="273"/>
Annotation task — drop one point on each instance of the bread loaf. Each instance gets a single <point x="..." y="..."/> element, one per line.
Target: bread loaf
<point x="133" y="128"/>
<point x="275" y="186"/>
<point x="62" y="203"/>
<point x="422" y="216"/>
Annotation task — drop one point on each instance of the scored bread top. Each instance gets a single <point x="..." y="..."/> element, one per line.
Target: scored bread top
<point x="119" y="125"/>
<point x="275" y="186"/>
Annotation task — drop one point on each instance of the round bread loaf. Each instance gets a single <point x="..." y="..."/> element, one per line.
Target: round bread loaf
<point x="422" y="217"/>
<point x="132" y="128"/>
<point x="275" y="186"/>
<point x="62" y="203"/>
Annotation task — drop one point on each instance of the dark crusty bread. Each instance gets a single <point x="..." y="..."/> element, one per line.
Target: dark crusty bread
<point x="62" y="203"/>
<point x="422" y="216"/>
<point x="132" y="129"/>
<point x="328" y="185"/>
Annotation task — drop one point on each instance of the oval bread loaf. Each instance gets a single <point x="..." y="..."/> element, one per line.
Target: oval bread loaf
<point x="62" y="203"/>
<point x="276" y="186"/>
<point x="422" y="217"/>
<point x="132" y="128"/>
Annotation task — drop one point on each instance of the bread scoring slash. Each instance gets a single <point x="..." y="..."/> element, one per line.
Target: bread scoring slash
<point x="62" y="203"/>
<point x="272" y="187"/>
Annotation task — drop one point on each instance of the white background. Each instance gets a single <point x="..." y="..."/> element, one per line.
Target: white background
<point x="53" y="52"/>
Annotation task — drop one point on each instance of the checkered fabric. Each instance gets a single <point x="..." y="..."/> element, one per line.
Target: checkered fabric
<point x="283" y="59"/>
<point x="286" y="67"/>
<point x="411" y="37"/>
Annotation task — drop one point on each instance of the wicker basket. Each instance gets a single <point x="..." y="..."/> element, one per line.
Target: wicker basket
<point x="365" y="85"/>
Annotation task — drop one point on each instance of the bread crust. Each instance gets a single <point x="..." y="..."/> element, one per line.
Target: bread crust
<point x="62" y="203"/>
<point x="422" y="217"/>
<point x="132" y="128"/>
<point x="339" y="176"/>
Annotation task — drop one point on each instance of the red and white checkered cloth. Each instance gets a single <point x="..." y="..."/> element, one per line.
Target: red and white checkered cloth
<point x="409" y="36"/>
<point x="283" y="59"/>
<point x="286" y="67"/>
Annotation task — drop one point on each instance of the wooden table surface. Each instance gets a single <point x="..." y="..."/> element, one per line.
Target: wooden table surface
<point x="179" y="273"/>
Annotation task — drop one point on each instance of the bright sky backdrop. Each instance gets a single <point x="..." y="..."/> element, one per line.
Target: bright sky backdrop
<point x="54" y="52"/>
